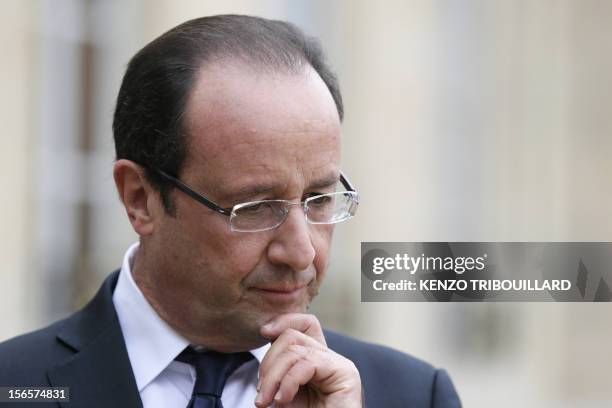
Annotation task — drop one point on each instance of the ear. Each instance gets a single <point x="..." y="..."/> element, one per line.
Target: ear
<point x="137" y="195"/>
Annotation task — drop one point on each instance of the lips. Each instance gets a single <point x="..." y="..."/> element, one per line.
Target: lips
<point x="282" y="290"/>
<point x="281" y="294"/>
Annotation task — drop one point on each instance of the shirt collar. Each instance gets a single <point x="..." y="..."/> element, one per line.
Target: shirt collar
<point x="151" y="343"/>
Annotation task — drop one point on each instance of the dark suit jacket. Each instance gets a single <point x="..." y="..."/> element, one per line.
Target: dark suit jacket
<point x="87" y="353"/>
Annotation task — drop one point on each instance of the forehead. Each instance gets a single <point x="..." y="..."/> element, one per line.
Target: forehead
<point x="247" y="126"/>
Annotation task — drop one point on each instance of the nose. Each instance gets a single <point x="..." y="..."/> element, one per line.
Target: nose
<point x="292" y="242"/>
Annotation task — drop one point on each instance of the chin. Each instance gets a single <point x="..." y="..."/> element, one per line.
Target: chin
<point x="264" y="317"/>
<point x="245" y="330"/>
<point x="241" y="336"/>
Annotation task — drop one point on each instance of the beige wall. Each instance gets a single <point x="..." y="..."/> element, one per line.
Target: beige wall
<point x="16" y="168"/>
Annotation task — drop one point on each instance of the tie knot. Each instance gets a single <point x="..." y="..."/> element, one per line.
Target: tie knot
<point x="212" y="368"/>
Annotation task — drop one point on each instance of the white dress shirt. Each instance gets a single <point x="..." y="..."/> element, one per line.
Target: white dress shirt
<point x="152" y="346"/>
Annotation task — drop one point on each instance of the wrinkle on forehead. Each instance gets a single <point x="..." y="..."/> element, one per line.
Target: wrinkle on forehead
<point x="290" y="168"/>
<point x="242" y="124"/>
<point x="299" y="142"/>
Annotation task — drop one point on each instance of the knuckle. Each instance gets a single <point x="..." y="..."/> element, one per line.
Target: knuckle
<point x="290" y="334"/>
<point x="314" y="323"/>
<point x="295" y="352"/>
<point x="352" y="367"/>
<point x="290" y="377"/>
<point x="351" y="371"/>
<point x="312" y="320"/>
<point x="296" y="349"/>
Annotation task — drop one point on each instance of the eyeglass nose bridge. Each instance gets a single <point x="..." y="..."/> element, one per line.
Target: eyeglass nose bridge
<point x="287" y="207"/>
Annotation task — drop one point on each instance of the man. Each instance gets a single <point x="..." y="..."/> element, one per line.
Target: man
<point x="227" y="132"/>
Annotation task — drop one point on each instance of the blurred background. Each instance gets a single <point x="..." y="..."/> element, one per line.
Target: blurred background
<point x="467" y="120"/>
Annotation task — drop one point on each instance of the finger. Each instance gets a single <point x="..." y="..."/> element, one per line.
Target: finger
<point x="326" y="372"/>
<point x="305" y="323"/>
<point x="299" y="374"/>
<point x="287" y="338"/>
<point x="270" y="383"/>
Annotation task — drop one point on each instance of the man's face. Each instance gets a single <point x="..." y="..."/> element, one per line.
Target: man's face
<point x="252" y="136"/>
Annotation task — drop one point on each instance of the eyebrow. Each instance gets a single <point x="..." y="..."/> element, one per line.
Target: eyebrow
<point x="325" y="182"/>
<point x="253" y="190"/>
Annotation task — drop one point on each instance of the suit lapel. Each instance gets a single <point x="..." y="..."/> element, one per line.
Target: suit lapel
<point x="99" y="374"/>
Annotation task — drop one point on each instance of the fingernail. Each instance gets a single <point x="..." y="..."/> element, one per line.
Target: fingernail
<point x="278" y="396"/>
<point x="259" y="385"/>
<point x="268" y="326"/>
<point x="259" y="398"/>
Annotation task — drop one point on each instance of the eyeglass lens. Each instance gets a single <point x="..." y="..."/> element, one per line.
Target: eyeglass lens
<point x="267" y="214"/>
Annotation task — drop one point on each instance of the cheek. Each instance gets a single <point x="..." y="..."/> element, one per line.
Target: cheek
<point x="218" y="273"/>
<point x="239" y="253"/>
<point x="209" y="253"/>
<point x="321" y="241"/>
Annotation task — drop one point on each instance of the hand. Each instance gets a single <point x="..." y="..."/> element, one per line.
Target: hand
<point x="299" y="371"/>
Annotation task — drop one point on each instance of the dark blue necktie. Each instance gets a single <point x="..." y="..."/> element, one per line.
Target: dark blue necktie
<point x="212" y="371"/>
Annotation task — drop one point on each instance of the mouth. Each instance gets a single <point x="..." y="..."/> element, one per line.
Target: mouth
<point x="281" y="294"/>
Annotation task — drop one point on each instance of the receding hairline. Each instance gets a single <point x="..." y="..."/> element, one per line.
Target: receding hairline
<point x="225" y="67"/>
<point x="242" y="64"/>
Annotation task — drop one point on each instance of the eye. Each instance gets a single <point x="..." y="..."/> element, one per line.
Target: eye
<point x="253" y="208"/>
<point x="314" y="194"/>
<point x="319" y="200"/>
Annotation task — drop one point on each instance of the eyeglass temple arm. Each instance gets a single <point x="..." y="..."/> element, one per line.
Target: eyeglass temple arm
<point x="193" y="194"/>
<point x="225" y="211"/>
<point x="346" y="183"/>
